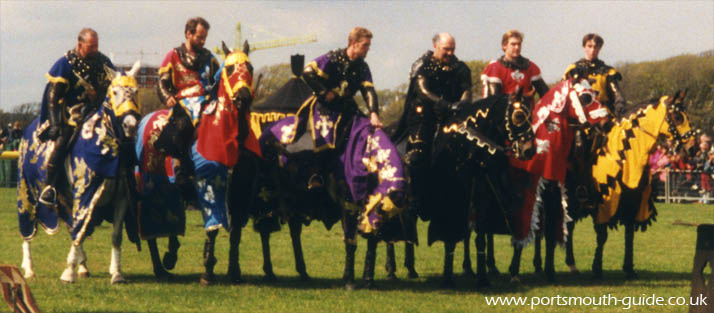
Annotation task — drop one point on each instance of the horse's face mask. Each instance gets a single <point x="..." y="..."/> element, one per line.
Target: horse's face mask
<point x="676" y="124"/>
<point x="122" y="94"/>
<point x="518" y="127"/>
<point x="237" y="78"/>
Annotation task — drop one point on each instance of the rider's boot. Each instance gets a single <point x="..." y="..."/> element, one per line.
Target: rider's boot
<point x="48" y="196"/>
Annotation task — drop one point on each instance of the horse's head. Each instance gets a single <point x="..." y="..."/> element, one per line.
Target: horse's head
<point x="676" y="124"/>
<point x="584" y="104"/>
<point x="237" y="77"/>
<point x="122" y="99"/>
<point x="518" y="127"/>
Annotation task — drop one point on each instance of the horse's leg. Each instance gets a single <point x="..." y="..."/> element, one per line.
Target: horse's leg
<point x="82" y="270"/>
<point x="209" y="259"/>
<point x="628" y="266"/>
<point x="267" y="263"/>
<point x="27" y="259"/>
<point x="295" y="226"/>
<point x="69" y="275"/>
<point x="466" y="265"/>
<point x="569" y="257"/>
<point x="550" y="249"/>
<point x="490" y="257"/>
<point x="515" y="267"/>
<point x="120" y="210"/>
<point x="233" y="255"/>
<point x="349" y="274"/>
<point x="369" y="259"/>
<point x="601" y="235"/>
<point x="481" y="274"/>
<point x="409" y="260"/>
<point x="537" y="258"/>
<point x="449" y="248"/>
<point x="159" y="270"/>
<point x="171" y="256"/>
<point x="391" y="264"/>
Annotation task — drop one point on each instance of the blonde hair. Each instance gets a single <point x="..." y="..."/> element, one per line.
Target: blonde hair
<point x="513" y="33"/>
<point x="357" y="33"/>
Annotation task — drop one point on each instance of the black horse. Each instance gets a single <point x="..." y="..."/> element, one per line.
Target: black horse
<point x="467" y="177"/>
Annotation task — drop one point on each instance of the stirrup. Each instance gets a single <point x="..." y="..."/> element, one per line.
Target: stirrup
<point x="315" y="181"/>
<point x="48" y="192"/>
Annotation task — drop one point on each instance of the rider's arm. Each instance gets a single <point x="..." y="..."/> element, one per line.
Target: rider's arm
<point x="165" y="88"/>
<point x="55" y="93"/>
<point x="618" y="99"/>
<point x="540" y="86"/>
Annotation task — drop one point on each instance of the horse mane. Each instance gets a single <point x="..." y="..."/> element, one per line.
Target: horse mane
<point x="654" y="102"/>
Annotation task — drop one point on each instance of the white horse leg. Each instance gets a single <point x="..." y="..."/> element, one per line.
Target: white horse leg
<point x="27" y="260"/>
<point x="82" y="270"/>
<point x="70" y="275"/>
<point x="115" y="266"/>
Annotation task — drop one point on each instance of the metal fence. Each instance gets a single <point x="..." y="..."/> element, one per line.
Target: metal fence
<point x="8" y="167"/>
<point x="678" y="186"/>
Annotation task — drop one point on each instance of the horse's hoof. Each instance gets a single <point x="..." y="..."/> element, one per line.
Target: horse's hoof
<point x="392" y="276"/>
<point x="550" y="276"/>
<point x="350" y="286"/>
<point x="413" y="274"/>
<point x="447" y="283"/>
<point x="468" y="273"/>
<point x="305" y="277"/>
<point x="493" y="270"/>
<point x="369" y="284"/>
<point x="516" y="280"/>
<point x="483" y="281"/>
<point x="207" y="279"/>
<point x="597" y="276"/>
<point x="82" y="275"/>
<point x="68" y="276"/>
<point x="237" y="279"/>
<point x="29" y="274"/>
<point x="170" y="260"/>
<point x="162" y="274"/>
<point x="538" y="269"/>
<point x="630" y="275"/>
<point x="574" y="269"/>
<point x="117" y="278"/>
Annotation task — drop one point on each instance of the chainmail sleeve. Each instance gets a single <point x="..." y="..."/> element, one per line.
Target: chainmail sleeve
<point x="165" y="88"/>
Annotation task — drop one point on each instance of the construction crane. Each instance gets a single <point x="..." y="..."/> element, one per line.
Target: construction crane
<point x="268" y="44"/>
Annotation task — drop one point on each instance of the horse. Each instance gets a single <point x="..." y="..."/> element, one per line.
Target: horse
<point x="359" y="181"/>
<point x="620" y="172"/>
<point x="473" y="142"/>
<point x="99" y="182"/>
<point x="570" y="105"/>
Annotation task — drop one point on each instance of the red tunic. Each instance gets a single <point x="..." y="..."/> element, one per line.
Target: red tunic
<point x="496" y="72"/>
<point x="187" y="82"/>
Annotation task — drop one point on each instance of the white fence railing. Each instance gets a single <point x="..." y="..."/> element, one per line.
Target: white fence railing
<point x="674" y="186"/>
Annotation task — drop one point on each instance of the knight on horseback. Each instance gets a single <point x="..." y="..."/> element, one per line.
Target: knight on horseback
<point x="604" y="77"/>
<point x="438" y="81"/>
<point x="186" y="81"/>
<point x="512" y="71"/>
<point x="77" y="84"/>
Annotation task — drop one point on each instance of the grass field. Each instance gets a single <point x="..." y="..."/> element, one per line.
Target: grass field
<point x="663" y="258"/>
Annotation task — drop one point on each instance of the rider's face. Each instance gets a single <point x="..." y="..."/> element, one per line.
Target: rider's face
<point x="88" y="47"/>
<point x="360" y="48"/>
<point x="444" y="49"/>
<point x="512" y="48"/>
<point x="591" y="50"/>
<point x="198" y="38"/>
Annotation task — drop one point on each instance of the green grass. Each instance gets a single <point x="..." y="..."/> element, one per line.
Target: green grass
<point x="663" y="257"/>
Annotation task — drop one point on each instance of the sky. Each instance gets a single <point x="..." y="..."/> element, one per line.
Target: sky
<point x="34" y="34"/>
